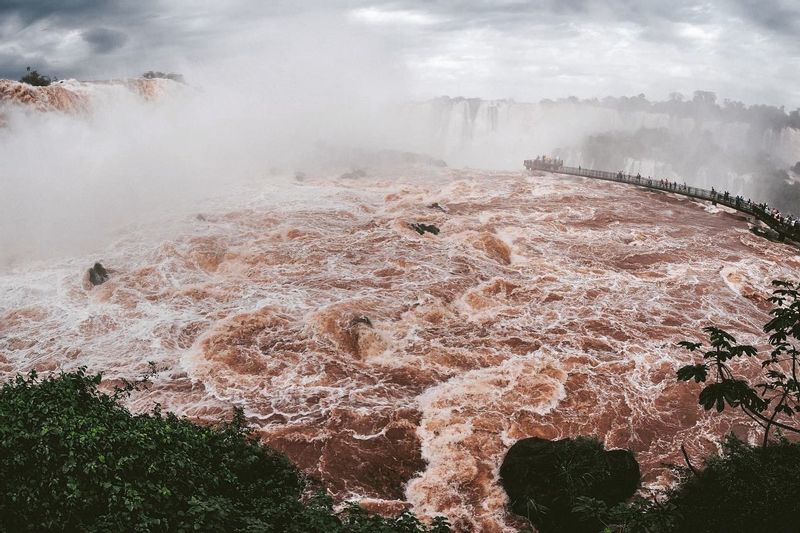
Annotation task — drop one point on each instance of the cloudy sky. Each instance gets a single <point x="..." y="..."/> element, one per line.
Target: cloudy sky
<point x="527" y="50"/>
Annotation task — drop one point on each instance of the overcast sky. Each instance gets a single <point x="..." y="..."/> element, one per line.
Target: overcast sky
<point x="526" y="50"/>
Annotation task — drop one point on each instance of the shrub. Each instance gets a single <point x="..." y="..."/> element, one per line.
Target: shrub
<point x="151" y="75"/>
<point x="545" y="480"/>
<point x="744" y="490"/>
<point x="34" y="78"/>
<point x="73" y="459"/>
<point x="774" y="402"/>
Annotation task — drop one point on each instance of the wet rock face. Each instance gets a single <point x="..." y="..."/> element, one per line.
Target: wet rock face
<point x="360" y="319"/>
<point x="98" y="274"/>
<point x="543" y="478"/>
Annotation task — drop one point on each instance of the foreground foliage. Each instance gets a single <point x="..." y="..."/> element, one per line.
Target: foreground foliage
<point x="545" y="480"/>
<point x="773" y="402"/>
<point x="73" y="459"/>
<point x="747" y="488"/>
<point x="744" y="490"/>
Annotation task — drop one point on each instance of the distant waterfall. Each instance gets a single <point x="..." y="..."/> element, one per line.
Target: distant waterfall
<point x="499" y="134"/>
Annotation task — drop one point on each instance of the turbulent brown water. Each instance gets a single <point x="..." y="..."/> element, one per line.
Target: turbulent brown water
<point x="398" y="367"/>
<point x="72" y="96"/>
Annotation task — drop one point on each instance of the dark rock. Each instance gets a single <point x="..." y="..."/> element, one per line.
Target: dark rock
<point x="98" y="274"/>
<point x="436" y="205"/>
<point x="626" y="476"/>
<point x="766" y="233"/>
<point x="543" y="479"/>
<point x="361" y="319"/>
<point x="422" y="228"/>
<point x="796" y="168"/>
<point x="201" y="217"/>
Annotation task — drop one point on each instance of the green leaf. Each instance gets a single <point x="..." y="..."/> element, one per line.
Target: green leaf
<point x="744" y="349"/>
<point x="691" y="346"/>
<point x="713" y="395"/>
<point x="698" y="372"/>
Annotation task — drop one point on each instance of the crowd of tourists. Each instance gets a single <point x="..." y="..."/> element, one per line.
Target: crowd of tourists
<point x="789" y="222"/>
<point x="543" y="162"/>
<point x="786" y="224"/>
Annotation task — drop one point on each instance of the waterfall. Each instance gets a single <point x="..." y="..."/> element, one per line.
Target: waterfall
<point x="705" y="149"/>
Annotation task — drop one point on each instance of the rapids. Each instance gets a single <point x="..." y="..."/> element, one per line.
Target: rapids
<point x="72" y="96"/>
<point x="396" y="367"/>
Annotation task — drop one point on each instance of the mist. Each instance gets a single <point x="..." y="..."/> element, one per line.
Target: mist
<point x="261" y="101"/>
<point x="253" y="109"/>
<point x="752" y="151"/>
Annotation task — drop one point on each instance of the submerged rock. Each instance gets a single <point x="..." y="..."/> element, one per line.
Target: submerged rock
<point x="422" y="228"/>
<point x="767" y="233"/>
<point x="98" y="274"/>
<point x="361" y="319"/>
<point x="437" y="205"/>
<point x="544" y="478"/>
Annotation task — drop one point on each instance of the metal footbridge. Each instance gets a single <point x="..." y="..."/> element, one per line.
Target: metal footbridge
<point x="784" y="229"/>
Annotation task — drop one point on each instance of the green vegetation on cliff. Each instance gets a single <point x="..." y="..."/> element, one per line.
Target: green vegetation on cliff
<point x="34" y="78"/>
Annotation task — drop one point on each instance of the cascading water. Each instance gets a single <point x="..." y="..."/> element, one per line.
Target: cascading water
<point x="743" y="157"/>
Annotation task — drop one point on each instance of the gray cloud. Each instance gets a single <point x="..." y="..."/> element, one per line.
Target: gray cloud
<point x="72" y="12"/>
<point x="104" y="40"/>
<point x="490" y="48"/>
<point x="775" y="16"/>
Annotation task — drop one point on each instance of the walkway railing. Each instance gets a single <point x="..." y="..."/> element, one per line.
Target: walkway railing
<point x="759" y="211"/>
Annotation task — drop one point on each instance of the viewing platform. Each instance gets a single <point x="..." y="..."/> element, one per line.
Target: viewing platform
<point x="786" y="228"/>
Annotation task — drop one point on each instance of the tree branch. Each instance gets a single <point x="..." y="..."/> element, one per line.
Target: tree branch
<point x="688" y="462"/>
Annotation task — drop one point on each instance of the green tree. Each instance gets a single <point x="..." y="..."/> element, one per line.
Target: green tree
<point x="773" y="402"/>
<point x="745" y="489"/>
<point x="150" y="75"/>
<point x="73" y="459"/>
<point x="34" y="78"/>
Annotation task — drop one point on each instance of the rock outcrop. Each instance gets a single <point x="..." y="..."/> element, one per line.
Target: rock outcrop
<point x="98" y="274"/>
